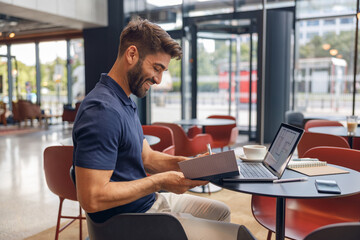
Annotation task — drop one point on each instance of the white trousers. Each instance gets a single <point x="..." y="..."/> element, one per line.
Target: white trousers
<point x="201" y="218"/>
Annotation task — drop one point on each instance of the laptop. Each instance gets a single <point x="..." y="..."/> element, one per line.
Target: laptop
<point x="275" y="160"/>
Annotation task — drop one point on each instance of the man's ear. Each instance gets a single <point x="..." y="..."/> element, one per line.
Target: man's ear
<point x="132" y="55"/>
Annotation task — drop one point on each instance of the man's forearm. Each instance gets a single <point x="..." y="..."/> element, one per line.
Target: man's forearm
<point x="95" y="193"/>
<point x="157" y="162"/>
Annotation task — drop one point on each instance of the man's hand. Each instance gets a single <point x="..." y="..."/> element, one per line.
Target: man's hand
<point x="175" y="182"/>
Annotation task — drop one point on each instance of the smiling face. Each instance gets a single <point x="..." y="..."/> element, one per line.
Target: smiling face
<point x="147" y="72"/>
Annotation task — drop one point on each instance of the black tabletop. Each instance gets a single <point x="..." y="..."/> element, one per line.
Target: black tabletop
<point x="347" y="182"/>
<point x="206" y="122"/>
<point x="334" y="130"/>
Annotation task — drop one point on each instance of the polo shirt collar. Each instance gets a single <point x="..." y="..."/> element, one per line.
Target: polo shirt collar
<point x="108" y="81"/>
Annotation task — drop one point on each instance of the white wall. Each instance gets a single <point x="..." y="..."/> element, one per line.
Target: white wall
<point x="77" y="14"/>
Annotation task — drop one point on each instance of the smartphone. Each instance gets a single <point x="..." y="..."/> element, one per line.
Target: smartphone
<point x="327" y="186"/>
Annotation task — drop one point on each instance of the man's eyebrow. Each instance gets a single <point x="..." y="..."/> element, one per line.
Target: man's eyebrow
<point x="160" y="65"/>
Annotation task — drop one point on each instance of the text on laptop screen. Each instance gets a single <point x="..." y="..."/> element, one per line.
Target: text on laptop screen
<point x="282" y="148"/>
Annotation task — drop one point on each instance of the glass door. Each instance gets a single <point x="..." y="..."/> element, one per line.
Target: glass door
<point x="227" y="78"/>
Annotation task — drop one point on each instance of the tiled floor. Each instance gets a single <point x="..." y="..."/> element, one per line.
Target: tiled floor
<point x="26" y="204"/>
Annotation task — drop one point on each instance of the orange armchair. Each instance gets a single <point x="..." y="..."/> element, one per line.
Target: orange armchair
<point x="320" y="123"/>
<point x="225" y="135"/>
<point x="185" y="146"/>
<point x="167" y="143"/>
<point x="305" y="215"/>
<point x="69" y="114"/>
<point x="310" y="140"/>
<point x="57" y="164"/>
<point x="3" y="113"/>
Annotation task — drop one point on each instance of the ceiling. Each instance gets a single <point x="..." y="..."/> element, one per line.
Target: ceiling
<point x="21" y="26"/>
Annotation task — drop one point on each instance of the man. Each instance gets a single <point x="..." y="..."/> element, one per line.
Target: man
<point x="111" y="156"/>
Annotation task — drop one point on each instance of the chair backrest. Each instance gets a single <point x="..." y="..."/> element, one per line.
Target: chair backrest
<point x="345" y="157"/>
<point x="137" y="226"/>
<point x="57" y="163"/>
<point x="223" y="132"/>
<point x="294" y="118"/>
<point x="349" y="205"/>
<point x="167" y="142"/>
<point x="348" y="231"/>
<point x="320" y="123"/>
<point x="310" y="140"/>
<point x="185" y="146"/>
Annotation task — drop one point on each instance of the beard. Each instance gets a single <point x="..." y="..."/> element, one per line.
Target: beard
<point x="136" y="80"/>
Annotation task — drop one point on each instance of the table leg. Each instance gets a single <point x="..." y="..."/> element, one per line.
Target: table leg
<point x="350" y="141"/>
<point x="280" y="218"/>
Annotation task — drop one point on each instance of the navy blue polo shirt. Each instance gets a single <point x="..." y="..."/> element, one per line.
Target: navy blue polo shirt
<point x="107" y="135"/>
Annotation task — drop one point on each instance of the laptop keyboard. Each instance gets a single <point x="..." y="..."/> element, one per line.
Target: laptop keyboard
<point x="254" y="170"/>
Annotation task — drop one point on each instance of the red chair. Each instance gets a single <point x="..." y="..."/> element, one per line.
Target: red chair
<point x="193" y="131"/>
<point x="69" y="113"/>
<point x="57" y="163"/>
<point x="320" y="123"/>
<point x="185" y="146"/>
<point x="310" y="140"/>
<point x="225" y="135"/>
<point x="167" y="143"/>
<point x="3" y="113"/>
<point x="305" y="215"/>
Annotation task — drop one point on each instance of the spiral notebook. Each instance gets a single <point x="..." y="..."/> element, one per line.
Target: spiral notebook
<point x="314" y="168"/>
<point x="301" y="164"/>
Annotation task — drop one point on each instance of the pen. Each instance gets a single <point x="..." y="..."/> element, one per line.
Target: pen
<point x="209" y="148"/>
<point x="305" y="159"/>
<point x="290" y="180"/>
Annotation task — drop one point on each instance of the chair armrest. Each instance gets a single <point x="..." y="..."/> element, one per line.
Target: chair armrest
<point x="169" y="150"/>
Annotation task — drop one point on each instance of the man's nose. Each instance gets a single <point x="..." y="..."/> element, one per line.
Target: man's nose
<point x="157" y="79"/>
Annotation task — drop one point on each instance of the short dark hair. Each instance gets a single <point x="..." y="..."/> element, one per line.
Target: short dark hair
<point x="149" y="38"/>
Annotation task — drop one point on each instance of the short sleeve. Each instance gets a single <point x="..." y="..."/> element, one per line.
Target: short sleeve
<point x="96" y="138"/>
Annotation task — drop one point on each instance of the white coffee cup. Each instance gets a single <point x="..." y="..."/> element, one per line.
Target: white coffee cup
<point x="254" y="151"/>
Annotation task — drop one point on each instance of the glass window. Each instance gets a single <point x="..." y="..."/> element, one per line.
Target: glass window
<point x="3" y="75"/>
<point x="313" y="23"/>
<point x="347" y="20"/>
<point x="78" y="69"/>
<point x="168" y="14"/>
<point x="213" y="77"/>
<point x="324" y="73"/>
<point x="329" y="22"/>
<point x="53" y="76"/>
<point x="207" y="7"/>
<point x="166" y="97"/>
<point x="317" y="8"/>
<point x="24" y="72"/>
<point x="311" y="35"/>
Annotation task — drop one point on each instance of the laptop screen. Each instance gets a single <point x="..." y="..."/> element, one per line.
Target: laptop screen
<point x="282" y="148"/>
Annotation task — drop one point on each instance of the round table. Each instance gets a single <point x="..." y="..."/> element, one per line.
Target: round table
<point x="152" y="140"/>
<point x="303" y="189"/>
<point x="205" y="122"/>
<point x="336" y="130"/>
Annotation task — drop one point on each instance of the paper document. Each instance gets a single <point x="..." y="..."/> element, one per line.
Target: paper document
<point x="318" y="171"/>
<point x="215" y="166"/>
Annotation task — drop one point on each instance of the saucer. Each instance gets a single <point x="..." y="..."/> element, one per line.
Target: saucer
<point x="245" y="159"/>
